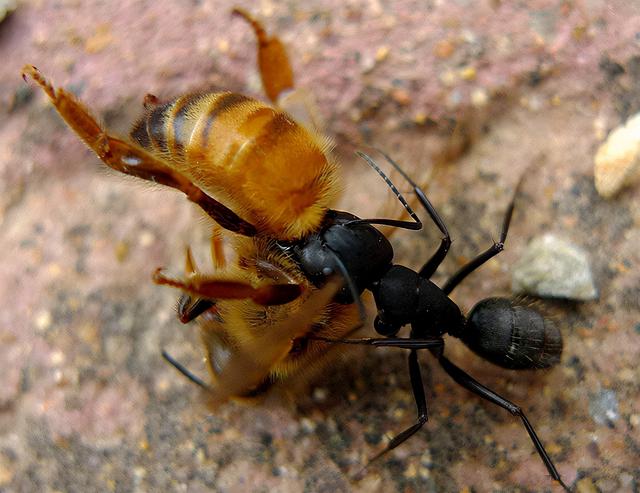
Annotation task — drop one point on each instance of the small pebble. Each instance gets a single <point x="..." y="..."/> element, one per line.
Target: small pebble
<point x="7" y="471"/>
<point x="448" y="78"/>
<point x="401" y="97"/>
<point x="6" y="7"/>
<point x="444" y="48"/>
<point x="603" y="407"/>
<point x="57" y="358"/>
<point x="146" y="238"/>
<point x="479" y="97"/>
<point x="308" y="426"/>
<point x="617" y="162"/>
<point x="420" y="118"/>
<point x="554" y="268"/>
<point x="122" y="251"/>
<point x="468" y="73"/>
<point x="367" y="63"/>
<point x="223" y="46"/>
<point x="382" y="53"/>
<point x="585" y="485"/>
<point x="99" y="40"/>
<point x="43" y="320"/>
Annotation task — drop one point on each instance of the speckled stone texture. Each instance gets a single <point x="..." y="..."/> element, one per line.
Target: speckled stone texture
<point x="86" y="402"/>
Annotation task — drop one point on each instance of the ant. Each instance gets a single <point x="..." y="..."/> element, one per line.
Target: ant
<point x="505" y="332"/>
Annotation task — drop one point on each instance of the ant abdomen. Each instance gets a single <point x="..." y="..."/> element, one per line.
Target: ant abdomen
<point x="512" y="335"/>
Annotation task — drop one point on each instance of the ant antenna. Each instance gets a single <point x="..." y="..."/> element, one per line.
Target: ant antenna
<point x="352" y="287"/>
<point x="416" y="224"/>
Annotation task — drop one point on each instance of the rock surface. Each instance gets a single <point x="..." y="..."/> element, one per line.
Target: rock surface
<point x="86" y="402"/>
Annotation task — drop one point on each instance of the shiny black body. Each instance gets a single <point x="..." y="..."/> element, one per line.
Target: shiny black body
<point x="402" y="296"/>
<point x="507" y="333"/>
<point x="365" y="253"/>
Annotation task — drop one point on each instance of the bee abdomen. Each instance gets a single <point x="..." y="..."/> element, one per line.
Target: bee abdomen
<point x="168" y="128"/>
<point x="511" y="335"/>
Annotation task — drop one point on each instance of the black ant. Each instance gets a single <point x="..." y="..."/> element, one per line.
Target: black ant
<point x="502" y="331"/>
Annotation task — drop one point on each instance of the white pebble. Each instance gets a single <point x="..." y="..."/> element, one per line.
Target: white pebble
<point x="554" y="268"/>
<point x="617" y="162"/>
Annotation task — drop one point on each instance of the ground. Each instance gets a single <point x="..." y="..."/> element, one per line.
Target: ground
<point x="87" y="403"/>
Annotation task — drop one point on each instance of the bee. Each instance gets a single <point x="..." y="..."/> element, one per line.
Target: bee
<point x="259" y="175"/>
<point x="294" y="290"/>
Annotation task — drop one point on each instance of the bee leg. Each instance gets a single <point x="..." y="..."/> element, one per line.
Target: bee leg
<point x="490" y="252"/>
<point x="130" y="159"/>
<point x="421" y="404"/>
<point x="190" y="308"/>
<point x="210" y="288"/>
<point x="150" y="101"/>
<point x="273" y="61"/>
<point x="466" y="381"/>
<point x="250" y="364"/>
<point x="277" y="78"/>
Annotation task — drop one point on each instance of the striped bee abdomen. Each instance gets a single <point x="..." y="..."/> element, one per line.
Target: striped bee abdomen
<point x="256" y="159"/>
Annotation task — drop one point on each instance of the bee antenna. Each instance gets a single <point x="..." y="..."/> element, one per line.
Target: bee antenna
<point x="182" y="369"/>
<point x="416" y="224"/>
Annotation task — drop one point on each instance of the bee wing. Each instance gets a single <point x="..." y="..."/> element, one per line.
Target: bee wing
<point x="248" y="366"/>
<point x="301" y="105"/>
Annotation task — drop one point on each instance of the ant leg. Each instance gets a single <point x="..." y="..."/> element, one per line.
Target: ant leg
<point x="432" y="264"/>
<point x="131" y="159"/>
<point x="477" y="388"/>
<point x="396" y="342"/>
<point x="490" y="252"/>
<point x="273" y="61"/>
<point x="200" y="383"/>
<point x="421" y="403"/>
<point x="182" y="369"/>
